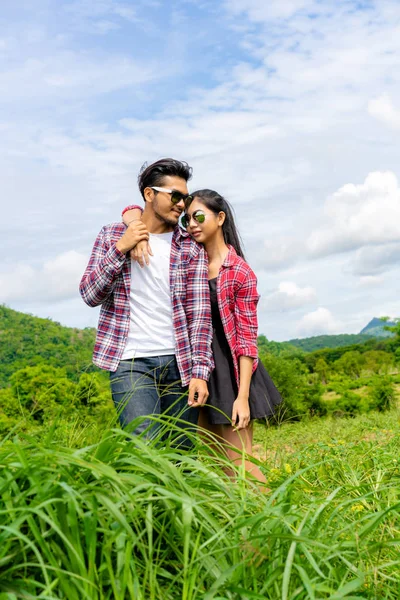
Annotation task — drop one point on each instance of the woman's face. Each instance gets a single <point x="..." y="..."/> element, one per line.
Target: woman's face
<point x="209" y="228"/>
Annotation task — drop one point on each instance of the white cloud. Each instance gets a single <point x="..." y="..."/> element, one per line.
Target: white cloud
<point x="368" y="281"/>
<point x="275" y="254"/>
<point x="319" y="322"/>
<point x="57" y="279"/>
<point x="259" y="10"/>
<point x="359" y="215"/>
<point x="93" y="16"/>
<point x="382" y="108"/>
<point x="372" y="260"/>
<point x="71" y="75"/>
<point x="287" y="297"/>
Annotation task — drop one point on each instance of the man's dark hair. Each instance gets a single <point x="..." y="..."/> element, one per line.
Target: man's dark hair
<point x="154" y="174"/>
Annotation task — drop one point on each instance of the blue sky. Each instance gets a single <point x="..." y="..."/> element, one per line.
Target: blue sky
<point x="291" y="108"/>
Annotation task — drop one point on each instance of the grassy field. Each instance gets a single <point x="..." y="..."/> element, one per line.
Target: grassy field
<point x="120" y="519"/>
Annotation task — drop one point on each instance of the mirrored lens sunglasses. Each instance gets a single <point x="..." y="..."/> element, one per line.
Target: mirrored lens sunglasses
<point x="198" y="216"/>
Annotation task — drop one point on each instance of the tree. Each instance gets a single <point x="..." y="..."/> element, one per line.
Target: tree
<point x="350" y="364"/>
<point x="382" y="394"/>
<point x="377" y="361"/>
<point x="40" y="389"/>
<point x="289" y="378"/>
<point x="322" y="370"/>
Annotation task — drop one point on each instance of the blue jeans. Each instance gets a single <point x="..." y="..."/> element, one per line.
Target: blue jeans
<point x="144" y="387"/>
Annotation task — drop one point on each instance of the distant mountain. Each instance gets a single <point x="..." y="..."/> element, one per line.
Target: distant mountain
<point x="376" y="326"/>
<point x="318" y="342"/>
<point x="374" y="329"/>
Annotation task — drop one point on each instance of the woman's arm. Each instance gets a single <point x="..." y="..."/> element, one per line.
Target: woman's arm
<point x="246" y="300"/>
<point x="131" y="213"/>
<point x="142" y="251"/>
<point x="241" y="408"/>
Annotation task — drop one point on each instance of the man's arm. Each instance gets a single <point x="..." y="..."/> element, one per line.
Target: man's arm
<point x="106" y="262"/>
<point x="198" y="316"/>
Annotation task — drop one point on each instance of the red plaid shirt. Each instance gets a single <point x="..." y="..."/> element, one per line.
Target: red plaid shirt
<point x="237" y="302"/>
<point x="107" y="280"/>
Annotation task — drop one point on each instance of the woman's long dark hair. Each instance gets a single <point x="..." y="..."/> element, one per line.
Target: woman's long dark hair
<point x="217" y="203"/>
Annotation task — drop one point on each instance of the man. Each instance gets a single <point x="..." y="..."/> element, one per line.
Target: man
<point x="154" y="333"/>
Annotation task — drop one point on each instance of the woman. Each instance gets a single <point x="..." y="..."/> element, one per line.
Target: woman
<point x="240" y="389"/>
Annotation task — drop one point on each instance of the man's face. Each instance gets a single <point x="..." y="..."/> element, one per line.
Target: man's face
<point x="161" y="203"/>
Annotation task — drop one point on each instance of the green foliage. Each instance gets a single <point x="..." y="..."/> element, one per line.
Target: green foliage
<point x="46" y="368"/>
<point x="39" y="395"/>
<point x="377" y="361"/>
<point x="39" y="389"/>
<point x="301" y="394"/>
<point x="266" y="346"/>
<point x="350" y="364"/>
<point x="28" y="341"/>
<point x="330" y="355"/>
<point x="349" y="404"/>
<point x="320" y="342"/>
<point x="322" y="370"/>
<point x="382" y="394"/>
<point x="123" y="519"/>
<point x="312" y="398"/>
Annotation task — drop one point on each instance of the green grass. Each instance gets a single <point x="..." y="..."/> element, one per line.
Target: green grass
<point x="120" y="518"/>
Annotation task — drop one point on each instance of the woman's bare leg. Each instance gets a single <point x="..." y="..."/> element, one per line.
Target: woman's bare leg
<point x="209" y="433"/>
<point x="238" y="442"/>
<point x="232" y="443"/>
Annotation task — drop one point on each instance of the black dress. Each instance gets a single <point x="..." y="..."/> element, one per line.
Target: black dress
<point x="222" y="385"/>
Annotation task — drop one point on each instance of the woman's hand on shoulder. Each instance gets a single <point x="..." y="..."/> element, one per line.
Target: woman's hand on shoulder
<point x="141" y="253"/>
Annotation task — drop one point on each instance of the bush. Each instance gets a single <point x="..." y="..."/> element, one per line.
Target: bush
<point x="301" y="396"/>
<point x="350" y="364"/>
<point x="313" y="398"/>
<point x="349" y="404"/>
<point x="382" y="394"/>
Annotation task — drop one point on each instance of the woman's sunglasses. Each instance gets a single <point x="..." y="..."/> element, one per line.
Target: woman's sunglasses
<point x="198" y="216"/>
<point x="176" y="196"/>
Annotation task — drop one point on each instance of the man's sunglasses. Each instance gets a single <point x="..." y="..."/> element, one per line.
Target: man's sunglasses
<point x="198" y="216"/>
<point x="176" y="196"/>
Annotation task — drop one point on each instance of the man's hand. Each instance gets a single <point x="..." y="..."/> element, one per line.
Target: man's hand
<point x="241" y="413"/>
<point x="141" y="253"/>
<point x="198" y="392"/>
<point x="135" y="232"/>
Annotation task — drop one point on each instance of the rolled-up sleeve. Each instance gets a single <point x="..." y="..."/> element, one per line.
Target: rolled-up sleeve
<point x="246" y="321"/>
<point x="104" y="267"/>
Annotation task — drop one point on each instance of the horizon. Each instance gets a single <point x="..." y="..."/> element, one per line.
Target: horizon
<point x="390" y="322"/>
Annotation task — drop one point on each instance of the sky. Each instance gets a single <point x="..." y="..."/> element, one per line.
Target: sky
<point x="289" y="108"/>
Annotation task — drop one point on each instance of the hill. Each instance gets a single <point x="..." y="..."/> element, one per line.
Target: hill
<point x="29" y="341"/>
<point x="376" y="328"/>
<point x="319" y="342"/>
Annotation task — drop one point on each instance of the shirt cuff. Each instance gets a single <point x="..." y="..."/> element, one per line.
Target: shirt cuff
<point x="251" y="351"/>
<point x="201" y="372"/>
<point x="115" y="258"/>
<point x="131" y="207"/>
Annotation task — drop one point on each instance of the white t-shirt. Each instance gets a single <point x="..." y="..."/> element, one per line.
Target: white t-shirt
<point x="151" y="331"/>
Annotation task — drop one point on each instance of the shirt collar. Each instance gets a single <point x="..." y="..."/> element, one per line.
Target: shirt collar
<point x="230" y="258"/>
<point x="179" y="234"/>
